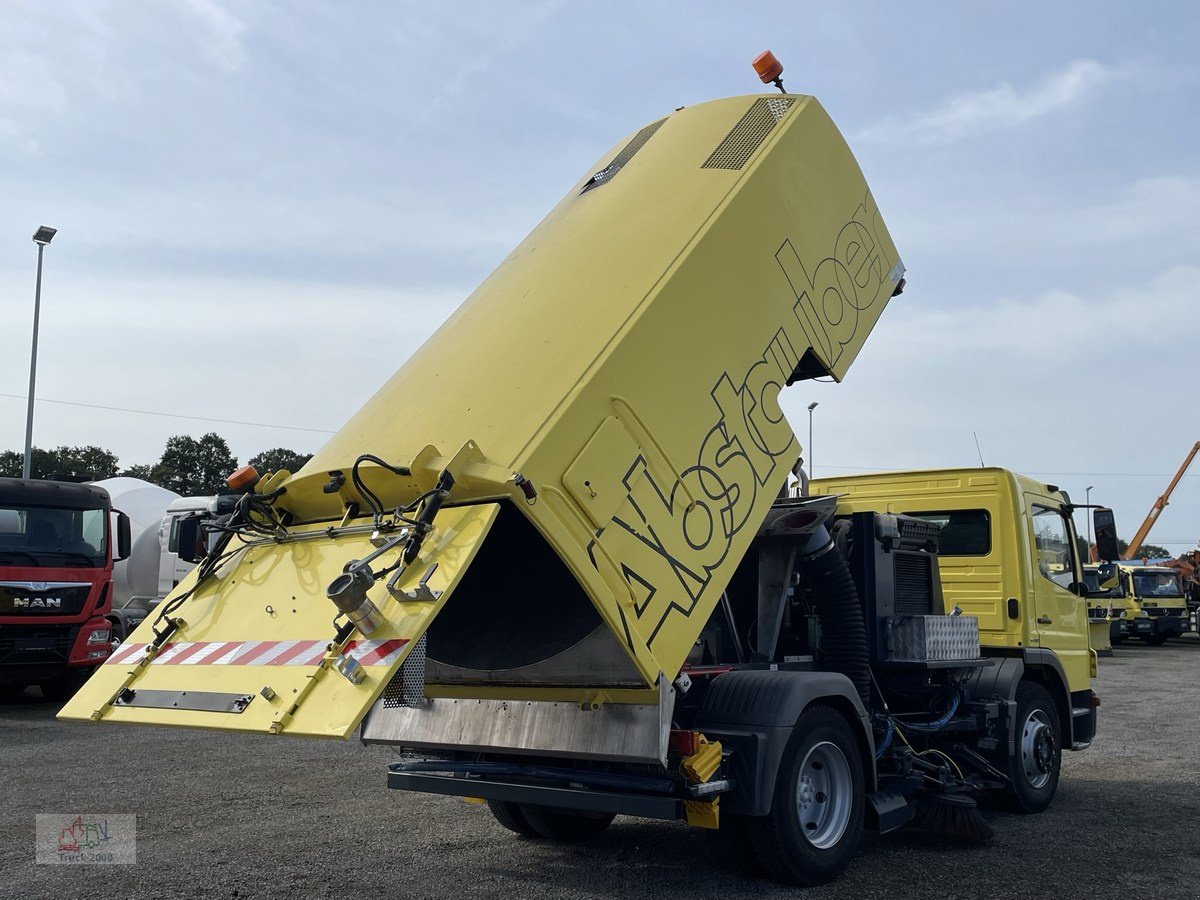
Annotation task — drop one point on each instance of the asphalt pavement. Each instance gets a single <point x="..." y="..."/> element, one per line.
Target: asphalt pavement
<point x="246" y="816"/>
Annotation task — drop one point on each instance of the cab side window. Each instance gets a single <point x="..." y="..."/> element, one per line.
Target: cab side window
<point x="1052" y="540"/>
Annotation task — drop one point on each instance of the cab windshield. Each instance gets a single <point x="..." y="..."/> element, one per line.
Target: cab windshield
<point x="1156" y="584"/>
<point x="52" y="536"/>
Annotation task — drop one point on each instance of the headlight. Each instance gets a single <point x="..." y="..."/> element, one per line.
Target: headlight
<point x="99" y="636"/>
<point x="1142" y="614"/>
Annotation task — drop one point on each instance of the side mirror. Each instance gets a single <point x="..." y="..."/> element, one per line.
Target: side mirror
<point x="124" y="538"/>
<point x="189" y="539"/>
<point x="1105" y="525"/>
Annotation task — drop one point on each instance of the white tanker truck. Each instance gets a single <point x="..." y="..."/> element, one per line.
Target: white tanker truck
<point x="154" y="566"/>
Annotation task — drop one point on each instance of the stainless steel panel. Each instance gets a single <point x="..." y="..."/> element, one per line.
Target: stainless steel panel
<point x="619" y="732"/>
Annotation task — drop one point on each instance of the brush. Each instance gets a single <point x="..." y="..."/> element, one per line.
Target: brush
<point x="954" y="816"/>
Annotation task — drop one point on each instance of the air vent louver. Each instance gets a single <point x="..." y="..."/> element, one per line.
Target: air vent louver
<point x="748" y="134"/>
<point x="605" y="175"/>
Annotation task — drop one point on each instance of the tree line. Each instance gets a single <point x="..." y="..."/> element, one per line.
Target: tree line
<point x="188" y="466"/>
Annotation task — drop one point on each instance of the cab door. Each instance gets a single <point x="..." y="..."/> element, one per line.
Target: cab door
<point x="1060" y="620"/>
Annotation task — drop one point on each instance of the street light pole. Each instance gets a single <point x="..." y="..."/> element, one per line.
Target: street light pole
<point x="1088" y="516"/>
<point x="811" y="407"/>
<point x="42" y="238"/>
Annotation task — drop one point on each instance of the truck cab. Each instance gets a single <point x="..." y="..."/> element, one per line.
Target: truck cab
<point x="1008" y="555"/>
<point x="1157" y="607"/>
<point x="1106" y="606"/>
<point x="56" y="556"/>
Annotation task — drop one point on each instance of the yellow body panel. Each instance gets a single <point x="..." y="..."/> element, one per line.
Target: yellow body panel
<point x="981" y="585"/>
<point x="274" y="594"/>
<point x="626" y="360"/>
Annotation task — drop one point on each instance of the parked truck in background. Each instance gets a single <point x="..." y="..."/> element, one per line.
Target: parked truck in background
<point x="154" y="567"/>
<point x="58" y="543"/>
<point x="552" y="561"/>
<point x="1106" y="608"/>
<point x="1157" y="608"/>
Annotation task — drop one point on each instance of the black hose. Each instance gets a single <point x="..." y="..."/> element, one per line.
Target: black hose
<point x="843" y="631"/>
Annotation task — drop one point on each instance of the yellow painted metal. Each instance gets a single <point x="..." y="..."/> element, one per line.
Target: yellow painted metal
<point x="703" y="813"/>
<point x="626" y="360"/>
<point x="276" y="592"/>
<point x="982" y="585"/>
<point x="703" y="764"/>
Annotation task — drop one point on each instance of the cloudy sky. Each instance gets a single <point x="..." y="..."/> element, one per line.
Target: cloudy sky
<point x="265" y="207"/>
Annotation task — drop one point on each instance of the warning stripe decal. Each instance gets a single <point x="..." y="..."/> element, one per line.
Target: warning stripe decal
<point x="258" y="653"/>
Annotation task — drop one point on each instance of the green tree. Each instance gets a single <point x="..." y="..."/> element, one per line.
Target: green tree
<point x="144" y="472"/>
<point x="279" y="458"/>
<point x="88" y="463"/>
<point x="194" y="466"/>
<point x="1149" y="551"/>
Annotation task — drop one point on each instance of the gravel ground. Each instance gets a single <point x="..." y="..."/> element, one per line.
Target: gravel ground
<point x="241" y="816"/>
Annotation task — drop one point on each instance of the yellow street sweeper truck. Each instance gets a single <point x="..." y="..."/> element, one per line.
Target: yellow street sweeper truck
<point x="552" y="561"/>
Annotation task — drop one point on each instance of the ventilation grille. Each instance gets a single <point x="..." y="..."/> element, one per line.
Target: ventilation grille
<point x="605" y="175"/>
<point x="407" y="687"/>
<point x="914" y="584"/>
<point x="748" y="134"/>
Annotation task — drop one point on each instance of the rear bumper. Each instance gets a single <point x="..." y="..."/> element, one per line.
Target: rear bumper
<point x="580" y="799"/>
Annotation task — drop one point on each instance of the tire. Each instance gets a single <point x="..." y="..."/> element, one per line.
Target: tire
<point x="63" y="688"/>
<point x="1119" y="639"/>
<point x="10" y="693"/>
<point x="510" y="816"/>
<point x="565" y="826"/>
<point x="816" y="818"/>
<point x="1035" y="765"/>
<point x="1155" y="640"/>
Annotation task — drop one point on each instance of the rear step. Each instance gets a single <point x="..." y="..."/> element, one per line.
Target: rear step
<point x="623" y="803"/>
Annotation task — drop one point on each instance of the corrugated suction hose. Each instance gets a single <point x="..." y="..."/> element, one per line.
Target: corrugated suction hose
<point x="835" y="598"/>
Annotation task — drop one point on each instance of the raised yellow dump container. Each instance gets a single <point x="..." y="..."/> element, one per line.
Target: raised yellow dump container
<point x="605" y="409"/>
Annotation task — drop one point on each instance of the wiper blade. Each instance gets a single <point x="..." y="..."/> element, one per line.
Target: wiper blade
<point x="28" y="556"/>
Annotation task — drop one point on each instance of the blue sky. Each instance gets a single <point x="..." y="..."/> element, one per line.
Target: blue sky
<point x="337" y="178"/>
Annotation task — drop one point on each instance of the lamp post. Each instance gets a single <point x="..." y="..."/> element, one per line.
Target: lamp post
<point x="42" y="237"/>
<point x="1088" y="515"/>
<point x="811" y="407"/>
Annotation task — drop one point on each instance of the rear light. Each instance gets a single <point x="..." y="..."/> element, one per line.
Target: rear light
<point x="99" y="636"/>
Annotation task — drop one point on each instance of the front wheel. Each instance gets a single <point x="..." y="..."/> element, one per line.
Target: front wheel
<point x="1034" y="766"/>
<point x="1155" y="640"/>
<point x="816" y="817"/>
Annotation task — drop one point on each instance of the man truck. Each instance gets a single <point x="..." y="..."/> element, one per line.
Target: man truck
<point x="58" y="542"/>
<point x="554" y="564"/>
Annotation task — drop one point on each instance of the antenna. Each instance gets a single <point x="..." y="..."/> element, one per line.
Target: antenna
<point x="982" y="465"/>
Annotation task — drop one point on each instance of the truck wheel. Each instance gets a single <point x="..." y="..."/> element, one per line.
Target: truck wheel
<point x="565" y="826"/>
<point x="816" y="817"/>
<point x="1155" y="640"/>
<point x="1034" y="767"/>
<point x="10" y="693"/>
<point x="510" y="816"/>
<point x="59" y="690"/>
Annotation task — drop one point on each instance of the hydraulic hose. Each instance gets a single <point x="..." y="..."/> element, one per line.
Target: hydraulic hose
<point x="835" y="599"/>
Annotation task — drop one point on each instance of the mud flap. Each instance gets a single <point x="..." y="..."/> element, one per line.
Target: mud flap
<point x="257" y="649"/>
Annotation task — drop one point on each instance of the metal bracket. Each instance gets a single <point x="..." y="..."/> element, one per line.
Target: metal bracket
<point x="203" y="701"/>
<point x="422" y="593"/>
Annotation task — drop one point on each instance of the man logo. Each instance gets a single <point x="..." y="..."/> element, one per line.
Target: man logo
<point x="37" y="602"/>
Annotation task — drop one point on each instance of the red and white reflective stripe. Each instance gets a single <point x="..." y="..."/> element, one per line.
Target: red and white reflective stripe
<point x="258" y="653"/>
<point x="375" y="653"/>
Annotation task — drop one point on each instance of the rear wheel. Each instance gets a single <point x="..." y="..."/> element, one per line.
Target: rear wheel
<point x="511" y="817"/>
<point x="11" y="692"/>
<point x="565" y="826"/>
<point x="816" y="816"/>
<point x="1034" y="766"/>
